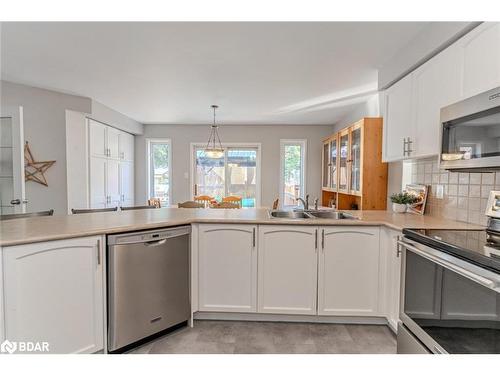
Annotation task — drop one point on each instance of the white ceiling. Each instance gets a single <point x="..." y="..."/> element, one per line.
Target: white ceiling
<point x="258" y="73"/>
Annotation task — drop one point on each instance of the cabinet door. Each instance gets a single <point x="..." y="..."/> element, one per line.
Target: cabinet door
<point x="333" y="163"/>
<point x="481" y="59"/>
<point x="343" y="161"/>
<point x="398" y="120"/>
<point x="126" y="183"/>
<point x="97" y="138"/>
<point x="287" y="270"/>
<point x="126" y="146"/>
<point x="54" y="293"/>
<point x="97" y="174"/>
<point x="326" y="165"/>
<point x="348" y="280"/>
<point x="227" y="261"/>
<point x="355" y="160"/>
<point x="435" y="85"/>
<point x="113" y="183"/>
<point x="388" y="244"/>
<point x="113" y="142"/>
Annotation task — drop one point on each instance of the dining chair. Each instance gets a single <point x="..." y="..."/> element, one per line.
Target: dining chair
<point x="154" y="202"/>
<point x="232" y="199"/>
<point x="205" y="199"/>
<point x="225" y="205"/>
<point x="26" y="215"/>
<point x="92" y="210"/>
<point x="130" y="208"/>
<point x="191" y="204"/>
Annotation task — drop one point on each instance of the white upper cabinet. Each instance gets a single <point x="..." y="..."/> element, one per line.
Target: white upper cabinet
<point x="412" y="105"/>
<point x="436" y="84"/>
<point x="227" y="261"/>
<point x="481" y="59"/>
<point x="127" y="184"/>
<point x="54" y="292"/>
<point x="349" y="277"/>
<point x="287" y="269"/>
<point x="97" y="138"/>
<point x="113" y="142"/>
<point x="398" y="124"/>
<point x="126" y="147"/>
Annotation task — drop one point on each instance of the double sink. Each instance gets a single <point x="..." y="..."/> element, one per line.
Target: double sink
<point x="311" y="214"/>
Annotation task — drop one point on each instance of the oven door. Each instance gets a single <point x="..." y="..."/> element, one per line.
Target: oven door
<point x="450" y="305"/>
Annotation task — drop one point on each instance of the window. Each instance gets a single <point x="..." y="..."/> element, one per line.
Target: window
<point x="236" y="173"/>
<point x="292" y="171"/>
<point x="159" y="170"/>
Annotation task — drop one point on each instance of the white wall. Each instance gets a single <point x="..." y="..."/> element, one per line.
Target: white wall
<point x="268" y="135"/>
<point x="109" y="116"/>
<point x="44" y="129"/>
<point x="369" y="108"/>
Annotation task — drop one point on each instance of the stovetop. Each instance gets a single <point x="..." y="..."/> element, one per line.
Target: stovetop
<point x="474" y="246"/>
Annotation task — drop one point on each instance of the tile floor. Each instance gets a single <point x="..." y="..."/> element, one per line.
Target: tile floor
<point x="226" y="337"/>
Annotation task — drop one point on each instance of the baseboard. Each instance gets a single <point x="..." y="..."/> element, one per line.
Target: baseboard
<point x="257" y="317"/>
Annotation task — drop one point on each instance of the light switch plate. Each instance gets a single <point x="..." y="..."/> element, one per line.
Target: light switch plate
<point x="439" y="191"/>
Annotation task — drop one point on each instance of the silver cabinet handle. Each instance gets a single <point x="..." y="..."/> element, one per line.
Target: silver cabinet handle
<point x="316" y="239"/>
<point x="323" y="239"/>
<point x="490" y="284"/>
<point x="253" y="237"/>
<point x="398" y="246"/>
<point x="98" y="252"/>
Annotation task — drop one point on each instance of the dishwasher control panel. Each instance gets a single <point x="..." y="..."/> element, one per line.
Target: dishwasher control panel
<point x="148" y="236"/>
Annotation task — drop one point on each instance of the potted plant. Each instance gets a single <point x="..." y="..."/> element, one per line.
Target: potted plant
<point x="400" y="201"/>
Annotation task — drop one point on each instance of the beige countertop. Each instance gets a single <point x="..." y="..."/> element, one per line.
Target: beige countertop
<point x="38" y="229"/>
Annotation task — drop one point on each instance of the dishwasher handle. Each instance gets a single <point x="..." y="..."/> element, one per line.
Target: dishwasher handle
<point x="156" y="243"/>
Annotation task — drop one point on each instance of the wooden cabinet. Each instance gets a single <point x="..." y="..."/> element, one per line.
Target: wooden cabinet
<point x="392" y="256"/>
<point x="54" y="292"/>
<point x="287" y="269"/>
<point x="111" y="166"/>
<point x="348" y="276"/>
<point x="480" y="50"/>
<point x="357" y="176"/>
<point x="412" y="105"/>
<point x="227" y="261"/>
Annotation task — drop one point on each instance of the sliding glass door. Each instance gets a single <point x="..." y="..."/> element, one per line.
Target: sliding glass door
<point x="233" y="174"/>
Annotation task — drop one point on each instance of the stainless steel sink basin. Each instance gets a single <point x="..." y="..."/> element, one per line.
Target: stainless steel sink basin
<point x="290" y="214"/>
<point x="334" y="215"/>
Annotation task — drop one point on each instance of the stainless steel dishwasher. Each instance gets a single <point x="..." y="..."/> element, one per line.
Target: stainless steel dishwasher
<point x="148" y="284"/>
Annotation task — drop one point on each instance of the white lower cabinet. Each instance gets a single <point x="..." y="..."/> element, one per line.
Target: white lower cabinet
<point x="287" y="269"/>
<point x="227" y="261"/>
<point x="348" y="276"/>
<point x="389" y="245"/>
<point x="54" y="292"/>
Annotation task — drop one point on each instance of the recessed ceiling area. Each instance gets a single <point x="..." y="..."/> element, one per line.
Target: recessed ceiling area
<point x="170" y="73"/>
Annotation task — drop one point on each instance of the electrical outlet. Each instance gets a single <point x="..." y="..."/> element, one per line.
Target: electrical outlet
<point x="439" y="191"/>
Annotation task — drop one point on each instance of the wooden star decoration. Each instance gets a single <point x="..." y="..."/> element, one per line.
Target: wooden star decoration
<point x="35" y="170"/>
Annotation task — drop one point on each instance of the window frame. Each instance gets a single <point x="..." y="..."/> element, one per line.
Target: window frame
<point x="149" y="143"/>
<point x="303" y="144"/>
<point x="258" y="184"/>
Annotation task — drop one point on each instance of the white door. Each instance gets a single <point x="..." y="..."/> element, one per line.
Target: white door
<point x="287" y="269"/>
<point x="398" y="121"/>
<point x="348" y="279"/>
<point x="126" y="183"/>
<point x="97" y="139"/>
<point x="113" y="142"/>
<point x="227" y="262"/>
<point x="126" y="145"/>
<point x="113" y="183"/>
<point x="389" y="245"/>
<point x="481" y="59"/>
<point x="97" y="191"/>
<point x="435" y="85"/>
<point x="54" y="293"/>
<point x="12" y="191"/>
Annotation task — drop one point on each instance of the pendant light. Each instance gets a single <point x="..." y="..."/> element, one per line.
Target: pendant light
<point x="214" y="148"/>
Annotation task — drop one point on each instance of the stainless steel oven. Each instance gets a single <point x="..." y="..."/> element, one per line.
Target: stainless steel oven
<point x="470" y="133"/>
<point x="448" y="304"/>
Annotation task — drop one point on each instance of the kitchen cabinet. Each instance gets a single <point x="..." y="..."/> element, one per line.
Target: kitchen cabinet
<point x="227" y="261"/>
<point x="287" y="269"/>
<point x="113" y="142"/>
<point x="480" y="51"/>
<point x="97" y="182"/>
<point x="97" y="138"/>
<point x="348" y="276"/>
<point x="126" y="147"/>
<point x="54" y="292"/>
<point x="126" y="183"/>
<point x="357" y="176"/>
<point x="389" y="245"/>
<point x="398" y="120"/>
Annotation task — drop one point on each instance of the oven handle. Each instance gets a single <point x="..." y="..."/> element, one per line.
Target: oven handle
<point x="452" y="267"/>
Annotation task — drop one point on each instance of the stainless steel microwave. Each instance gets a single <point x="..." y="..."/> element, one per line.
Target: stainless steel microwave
<point x="470" y="133"/>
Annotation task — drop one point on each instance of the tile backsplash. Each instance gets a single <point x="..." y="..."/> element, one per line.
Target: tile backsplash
<point x="465" y="194"/>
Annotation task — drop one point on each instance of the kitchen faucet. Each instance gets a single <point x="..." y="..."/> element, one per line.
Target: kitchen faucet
<point x="305" y="202"/>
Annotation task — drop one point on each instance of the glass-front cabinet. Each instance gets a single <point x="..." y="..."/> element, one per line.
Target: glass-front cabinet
<point x="326" y="165"/>
<point x="355" y="160"/>
<point x="343" y="161"/>
<point x="333" y="163"/>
